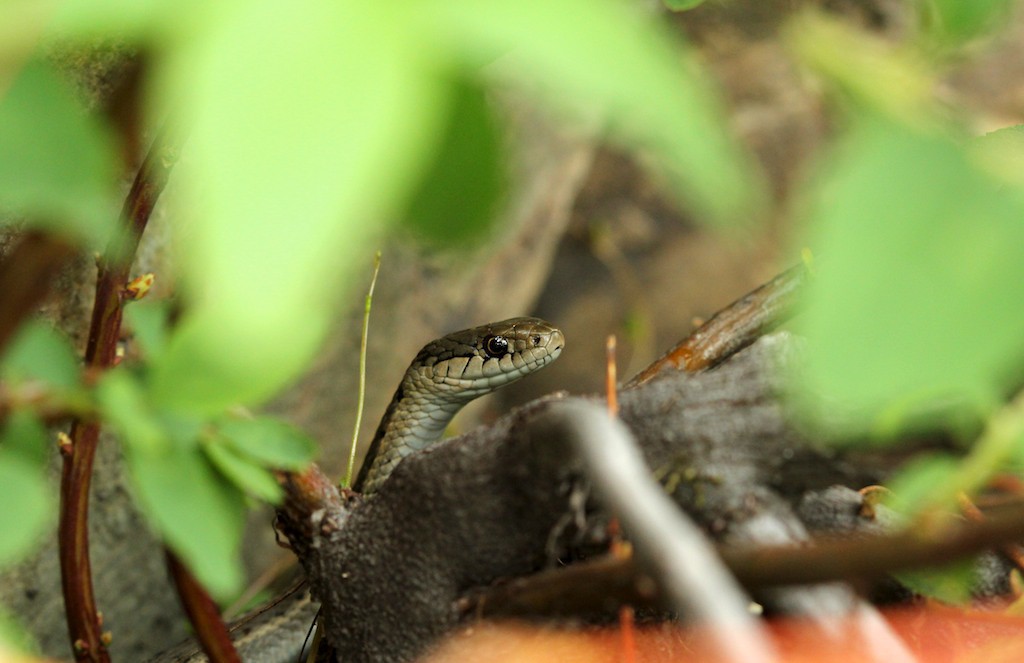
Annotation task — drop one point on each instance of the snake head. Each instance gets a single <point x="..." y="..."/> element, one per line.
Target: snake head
<point x="469" y="363"/>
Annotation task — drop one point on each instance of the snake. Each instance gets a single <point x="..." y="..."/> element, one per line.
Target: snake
<point x="444" y="376"/>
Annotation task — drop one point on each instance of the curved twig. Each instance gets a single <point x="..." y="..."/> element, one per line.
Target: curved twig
<point x="733" y="328"/>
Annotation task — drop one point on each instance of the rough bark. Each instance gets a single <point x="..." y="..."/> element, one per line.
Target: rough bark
<point x="512" y="499"/>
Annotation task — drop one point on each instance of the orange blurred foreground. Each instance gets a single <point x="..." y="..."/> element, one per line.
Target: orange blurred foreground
<point x="933" y="634"/>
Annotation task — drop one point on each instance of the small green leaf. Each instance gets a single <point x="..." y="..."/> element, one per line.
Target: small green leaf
<point x="125" y="405"/>
<point x="149" y="319"/>
<point x="39" y="352"/>
<point x="958" y="20"/>
<point x="14" y="635"/>
<point x="682" y="5"/>
<point x="25" y="436"/>
<point x="57" y="164"/>
<point x="196" y="512"/>
<point x="950" y="584"/>
<point x="243" y="472"/>
<point x="273" y="443"/>
<point x="458" y="197"/>
<point x="924" y="484"/>
<point x="28" y="506"/>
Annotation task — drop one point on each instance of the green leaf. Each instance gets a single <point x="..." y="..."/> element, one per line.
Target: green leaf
<point x="28" y="498"/>
<point x="273" y="443"/>
<point x="460" y="191"/>
<point x="28" y="505"/>
<point x="951" y="584"/>
<point x="1001" y="153"/>
<point x="606" y="60"/>
<point x="125" y="404"/>
<point x="195" y="511"/>
<point x="39" y="352"/>
<point x="14" y="635"/>
<point x="924" y="484"/>
<point x="283" y="190"/>
<point x="958" y="20"/>
<point x="682" y="5"/>
<point x="244" y="473"/>
<point x="920" y="280"/>
<point x="57" y="164"/>
<point x="148" y="320"/>
<point x="864" y="67"/>
<point x="25" y="436"/>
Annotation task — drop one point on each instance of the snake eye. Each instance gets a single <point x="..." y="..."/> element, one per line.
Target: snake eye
<point x="496" y="346"/>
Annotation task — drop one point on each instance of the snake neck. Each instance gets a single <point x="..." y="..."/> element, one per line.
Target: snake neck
<point x="447" y="374"/>
<point x="413" y="421"/>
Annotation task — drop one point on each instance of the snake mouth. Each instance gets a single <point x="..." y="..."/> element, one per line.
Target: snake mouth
<point x="557" y="342"/>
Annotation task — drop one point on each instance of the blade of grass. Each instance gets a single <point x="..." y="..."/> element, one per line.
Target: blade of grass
<point x="362" y="374"/>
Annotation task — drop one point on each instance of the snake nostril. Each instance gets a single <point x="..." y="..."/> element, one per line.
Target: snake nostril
<point x="536" y="340"/>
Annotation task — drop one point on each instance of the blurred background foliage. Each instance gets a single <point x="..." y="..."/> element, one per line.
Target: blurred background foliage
<point x="308" y="128"/>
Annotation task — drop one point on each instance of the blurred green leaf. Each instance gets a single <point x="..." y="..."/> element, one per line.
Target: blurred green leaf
<point x="920" y="281"/>
<point x="124" y="18"/>
<point x="870" y="71"/>
<point x="40" y="352"/>
<point x="58" y="167"/>
<point x="29" y="505"/>
<point x="244" y="473"/>
<point x="957" y="20"/>
<point x="149" y="319"/>
<point x="24" y="435"/>
<point x="1001" y="153"/>
<point x="460" y="191"/>
<point x="291" y="183"/>
<point x="950" y="584"/>
<point x="924" y="484"/>
<point x="195" y="511"/>
<point x="14" y="635"/>
<point x="273" y="443"/>
<point x="124" y="404"/>
<point x="609" y="61"/>
<point x="682" y="5"/>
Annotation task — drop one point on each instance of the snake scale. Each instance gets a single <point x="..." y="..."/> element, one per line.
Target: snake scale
<point x="446" y="374"/>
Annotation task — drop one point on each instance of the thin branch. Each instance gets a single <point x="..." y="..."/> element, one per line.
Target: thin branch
<point x="577" y="589"/>
<point x="104" y="332"/>
<point x="733" y="328"/>
<point x="203" y="613"/>
<point x="667" y="542"/>
<point x="871" y="556"/>
<point x="25" y="278"/>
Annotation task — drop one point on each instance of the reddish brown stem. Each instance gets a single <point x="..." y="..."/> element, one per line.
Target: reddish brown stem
<point x="204" y="614"/>
<point x="733" y="328"/>
<point x="84" y="626"/>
